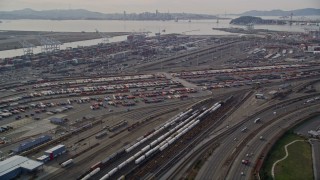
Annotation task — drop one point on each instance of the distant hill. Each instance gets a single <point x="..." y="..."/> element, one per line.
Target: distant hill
<point x="244" y="20"/>
<point x="51" y="14"/>
<point x="78" y="14"/>
<point x="298" y="12"/>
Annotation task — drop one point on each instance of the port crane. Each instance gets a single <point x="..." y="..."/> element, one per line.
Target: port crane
<point x="105" y="37"/>
<point x="26" y="46"/>
<point x="48" y="44"/>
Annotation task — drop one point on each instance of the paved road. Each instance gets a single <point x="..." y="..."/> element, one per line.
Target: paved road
<point x="182" y="81"/>
<point x="230" y="144"/>
<point x="257" y="146"/>
<point x="316" y="158"/>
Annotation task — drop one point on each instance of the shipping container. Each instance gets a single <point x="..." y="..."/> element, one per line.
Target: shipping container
<point x="55" y="151"/>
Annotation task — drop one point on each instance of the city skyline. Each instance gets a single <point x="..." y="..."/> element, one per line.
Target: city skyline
<point x="138" y="6"/>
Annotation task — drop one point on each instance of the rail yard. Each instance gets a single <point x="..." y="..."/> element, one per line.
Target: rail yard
<point x="151" y="107"/>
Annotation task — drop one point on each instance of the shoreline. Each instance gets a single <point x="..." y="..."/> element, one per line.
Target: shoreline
<point x="9" y="40"/>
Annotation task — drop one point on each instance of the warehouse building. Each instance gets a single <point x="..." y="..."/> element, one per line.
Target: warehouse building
<point x="17" y="165"/>
<point x="29" y="144"/>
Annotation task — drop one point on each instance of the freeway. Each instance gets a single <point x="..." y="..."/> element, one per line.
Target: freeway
<point x="222" y="157"/>
<point x="256" y="145"/>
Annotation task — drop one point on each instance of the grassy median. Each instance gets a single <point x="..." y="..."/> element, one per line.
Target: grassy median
<point x="298" y="165"/>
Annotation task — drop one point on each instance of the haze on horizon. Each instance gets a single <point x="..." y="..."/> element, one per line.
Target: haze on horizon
<point x="136" y="6"/>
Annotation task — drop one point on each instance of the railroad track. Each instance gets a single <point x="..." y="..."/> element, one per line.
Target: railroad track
<point x="105" y="148"/>
<point x="138" y="113"/>
<point x="210" y="143"/>
<point x="169" y="156"/>
<point x="100" y="151"/>
<point x="212" y="48"/>
<point x="304" y="85"/>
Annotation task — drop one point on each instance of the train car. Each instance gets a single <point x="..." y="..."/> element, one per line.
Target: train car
<point x="67" y="163"/>
<point x="140" y="138"/>
<point x="101" y="134"/>
<point x="86" y="177"/>
<point x="98" y="164"/>
<point x="154" y="142"/>
<point x="146" y="148"/>
<point x="163" y="146"/>
<point x="130" y="159"/>
<point x="143" y="140"/>
<point x="216" y="107"/>
<point x="148" y="133"/>
<point x="106" y="176"/>
<point x="161" y="138"/>
<point x="113" y="171"/>
<point x="122" y="177"/>
<point x="140" y="159"/>
<point x="84" y="174"/>
<point x="95" y="171"/>
<point x="172" y="140"/>
<point x="129" y="149"/>
<point x="138" y="154"/>
<point x="120" y="166"/>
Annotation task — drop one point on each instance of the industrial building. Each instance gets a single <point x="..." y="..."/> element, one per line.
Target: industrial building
<point x="315" y="49"/>
<point x="120" y="55"/>
<point x="315" y="134"/>
<point x="31" y="143"/>
<point x="16" y="165"/>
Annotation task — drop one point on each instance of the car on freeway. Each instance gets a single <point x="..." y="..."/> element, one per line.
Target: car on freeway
<point x="245" y="162"/>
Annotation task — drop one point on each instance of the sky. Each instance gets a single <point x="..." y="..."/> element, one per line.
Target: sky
<point x="137" y="6"/>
